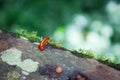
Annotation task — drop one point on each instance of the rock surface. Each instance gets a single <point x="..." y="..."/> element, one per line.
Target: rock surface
<point x="52" y="56"/>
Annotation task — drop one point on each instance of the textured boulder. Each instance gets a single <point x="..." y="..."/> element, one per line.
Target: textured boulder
<point x="46" y="61"/>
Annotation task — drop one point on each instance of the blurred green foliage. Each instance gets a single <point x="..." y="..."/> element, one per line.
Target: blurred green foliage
<point x="44" y="16"/>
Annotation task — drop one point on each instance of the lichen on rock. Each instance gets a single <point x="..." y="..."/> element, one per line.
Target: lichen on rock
<point x="14" y="75"/>
<point x="29" y="65"/>
<point x="13" y="57"/>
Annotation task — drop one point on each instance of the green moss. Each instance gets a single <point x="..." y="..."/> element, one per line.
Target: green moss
<point x="83" y="53"/>
<point x="110" y="63"/>
<point x="89" y="53"/>
<point x="32" y="36"/>
<point x="101" y="58"/>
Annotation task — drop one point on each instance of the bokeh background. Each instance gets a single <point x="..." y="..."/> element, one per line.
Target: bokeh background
<point x="86" y="24"/>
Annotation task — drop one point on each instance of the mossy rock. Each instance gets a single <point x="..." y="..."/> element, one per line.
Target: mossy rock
<point x="90" y="68"/>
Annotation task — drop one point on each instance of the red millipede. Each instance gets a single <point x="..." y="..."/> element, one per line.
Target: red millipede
<point x="43" y="43"/>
